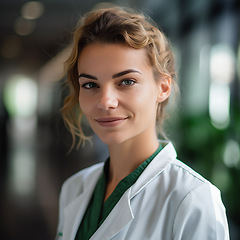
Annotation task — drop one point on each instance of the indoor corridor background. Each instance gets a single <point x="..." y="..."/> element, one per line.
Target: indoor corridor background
<point x="204" y="122"/>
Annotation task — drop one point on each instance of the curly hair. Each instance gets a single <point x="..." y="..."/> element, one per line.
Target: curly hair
<point x="119" y="26"/>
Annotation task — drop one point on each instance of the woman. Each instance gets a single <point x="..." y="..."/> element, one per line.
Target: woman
<point x="120" y="73"/>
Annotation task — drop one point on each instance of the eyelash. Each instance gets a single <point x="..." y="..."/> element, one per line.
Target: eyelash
<point x="94" y="85"/>
<point x="86" y="85"/>
<point x="125" y="80"/>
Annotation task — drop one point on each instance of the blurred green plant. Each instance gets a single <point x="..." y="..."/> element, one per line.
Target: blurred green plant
<point x="214" y="153"/>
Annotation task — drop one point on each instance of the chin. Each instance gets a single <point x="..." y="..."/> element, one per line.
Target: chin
<point x="112" y="139"/>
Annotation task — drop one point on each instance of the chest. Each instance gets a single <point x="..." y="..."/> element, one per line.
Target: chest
<point x="153" y="214"/>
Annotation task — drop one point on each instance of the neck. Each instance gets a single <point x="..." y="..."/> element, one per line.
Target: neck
<point x="127" y="156"/>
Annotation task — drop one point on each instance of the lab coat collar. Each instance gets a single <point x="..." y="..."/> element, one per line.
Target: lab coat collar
<point x="156" y="166"/>
<point x="122" y="213"/>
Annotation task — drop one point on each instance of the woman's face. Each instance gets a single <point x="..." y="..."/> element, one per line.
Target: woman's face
<point x="118" y="92"/>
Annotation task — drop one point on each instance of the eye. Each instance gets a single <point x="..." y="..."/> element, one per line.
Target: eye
<point x="89" y="85"/>
<point x="127" y="82"/>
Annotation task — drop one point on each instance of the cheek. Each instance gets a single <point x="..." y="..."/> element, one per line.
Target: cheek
<point x="84" y="104"/>
<point x="143" y="104"/>
<point x="150" y="105"/>
<point x="147" y="97"/>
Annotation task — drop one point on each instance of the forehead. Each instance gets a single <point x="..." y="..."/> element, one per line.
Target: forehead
<point x="100" y="55"/>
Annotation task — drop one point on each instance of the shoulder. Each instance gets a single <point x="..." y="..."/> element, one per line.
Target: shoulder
<point x="178" y="182"/>
<point x="75" y="184"/>
<point x="190" y="183"/>
<point x="177" y="172"/>
<point x="184" y="174"/>
<point x="166" y="177"/>
<point x="199" y="202"/>
<point x="185" y="182"/>
<point x="169" y="175"/>
<point x="200" y="205"/>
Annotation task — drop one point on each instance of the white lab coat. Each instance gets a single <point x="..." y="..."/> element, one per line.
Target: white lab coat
<point x="168" y="201"/>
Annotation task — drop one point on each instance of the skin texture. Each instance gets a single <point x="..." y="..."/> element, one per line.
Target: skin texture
<point x="119" y="97"/>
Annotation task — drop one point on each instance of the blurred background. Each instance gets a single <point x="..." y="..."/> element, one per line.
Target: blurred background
<point x="204" y="123"/>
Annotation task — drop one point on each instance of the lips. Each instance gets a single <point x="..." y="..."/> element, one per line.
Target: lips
<point x="110" y="122"/>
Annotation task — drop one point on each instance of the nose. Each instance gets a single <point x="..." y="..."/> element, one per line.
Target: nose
<point x="108" y="99"/>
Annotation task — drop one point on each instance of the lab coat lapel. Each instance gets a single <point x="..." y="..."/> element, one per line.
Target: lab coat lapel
<point x="157" y="165"/>
<point x="122" y="213"/>
<point x="74" y="212"/>
<point x="118" y="218"/>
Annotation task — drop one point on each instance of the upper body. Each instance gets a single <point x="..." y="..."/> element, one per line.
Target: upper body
<point x="120" y="74"/>
<point x="168" y="201"/>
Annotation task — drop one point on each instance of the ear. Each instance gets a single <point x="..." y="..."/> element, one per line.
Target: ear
<point x="164" y="87"/>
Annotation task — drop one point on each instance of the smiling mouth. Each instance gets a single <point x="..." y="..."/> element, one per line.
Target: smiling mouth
<point x="110" y="122"/>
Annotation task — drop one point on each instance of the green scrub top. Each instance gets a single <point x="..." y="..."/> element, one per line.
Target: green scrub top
<point x="98" y="210"/>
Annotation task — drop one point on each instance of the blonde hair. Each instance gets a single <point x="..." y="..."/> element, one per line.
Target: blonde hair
<point x="120" y="26"/>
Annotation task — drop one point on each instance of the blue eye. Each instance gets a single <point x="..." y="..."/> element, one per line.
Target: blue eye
<point x="127" y="82"/>
<point x="89" y="85"/>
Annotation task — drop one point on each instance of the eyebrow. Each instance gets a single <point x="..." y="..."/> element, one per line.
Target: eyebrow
<point x="117" y="75"/>
<point x="87" y="76"/>
<point x="120" y="74"/>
